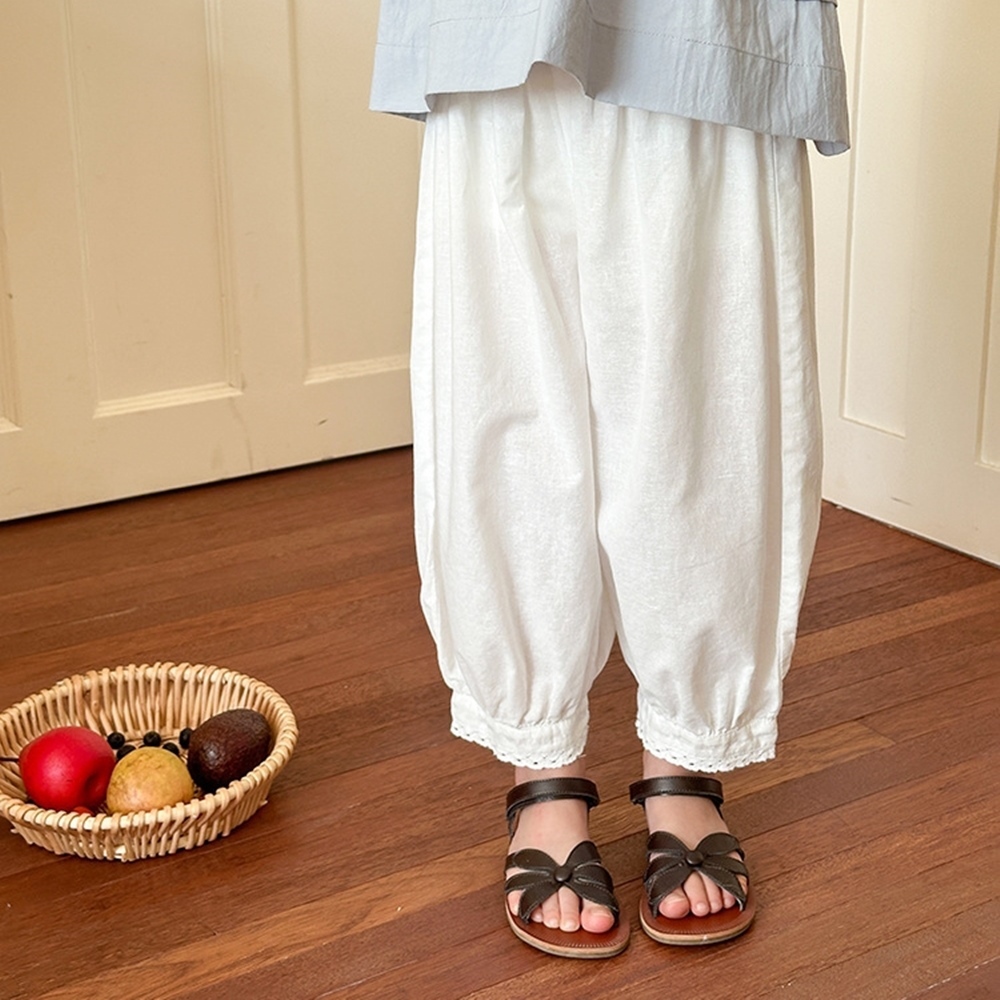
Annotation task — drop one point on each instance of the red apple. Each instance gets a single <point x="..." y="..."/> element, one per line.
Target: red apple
<point x="67" y="767"/>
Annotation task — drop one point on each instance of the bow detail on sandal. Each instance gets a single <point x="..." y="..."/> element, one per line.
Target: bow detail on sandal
<point x="671" y="861"/>
<point x="582" y="873"/>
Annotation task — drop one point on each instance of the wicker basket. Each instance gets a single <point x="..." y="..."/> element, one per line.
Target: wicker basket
<point x="165" y="697"/>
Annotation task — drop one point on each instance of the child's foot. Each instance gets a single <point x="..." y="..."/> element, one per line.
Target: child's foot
<point x="690" y="818"/>
<point x="556" y="827"/>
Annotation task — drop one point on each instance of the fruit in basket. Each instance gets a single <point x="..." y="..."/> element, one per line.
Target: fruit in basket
<point x="66" y="767"/>
<point x="148" y="778"/>
<point x="227" y="746"/>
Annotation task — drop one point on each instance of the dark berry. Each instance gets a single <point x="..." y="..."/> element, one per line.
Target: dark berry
<point x="172" y="747"/>
<point x="116" y="740"/>
<point x="152" y="739"/>
<point x="124" y="751"/>
<point x="185" y="738"/>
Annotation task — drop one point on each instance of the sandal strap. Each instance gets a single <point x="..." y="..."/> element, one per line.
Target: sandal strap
<point x="707" y="788"/>
<point x="671" y="861"/>
<point x="547" y="789"/>
<point x="541" y="877"/>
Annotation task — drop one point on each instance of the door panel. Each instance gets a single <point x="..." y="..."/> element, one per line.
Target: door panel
<point x="207" y="245"/>
<point x="907" y="229"/>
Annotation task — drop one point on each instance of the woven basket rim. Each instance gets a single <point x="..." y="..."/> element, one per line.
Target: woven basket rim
<point x="17" y="809"/>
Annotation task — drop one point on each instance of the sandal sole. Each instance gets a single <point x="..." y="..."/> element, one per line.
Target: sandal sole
<point x="694" y="931"/>
<point x="572" y="944"/>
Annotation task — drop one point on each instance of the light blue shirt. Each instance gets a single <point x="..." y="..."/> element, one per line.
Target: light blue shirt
<point x="773" y="66"/>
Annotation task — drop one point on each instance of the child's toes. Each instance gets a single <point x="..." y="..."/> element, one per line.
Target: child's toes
<point x="596" y="919"/>
<point x="676" y="905"/>
<point x="697" y="895"/>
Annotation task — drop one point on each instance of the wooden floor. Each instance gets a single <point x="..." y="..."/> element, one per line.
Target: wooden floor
<point x="373" y="872"/>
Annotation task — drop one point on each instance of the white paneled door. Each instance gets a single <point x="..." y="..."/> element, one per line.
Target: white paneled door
<point x="909" y="273"/>
<point x="205" y="244"/>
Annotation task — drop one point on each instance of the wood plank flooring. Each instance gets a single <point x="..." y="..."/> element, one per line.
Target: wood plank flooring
<point x="373" y="872"/>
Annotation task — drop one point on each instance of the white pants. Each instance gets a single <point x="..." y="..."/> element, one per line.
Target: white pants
<point x="616" y="423"/>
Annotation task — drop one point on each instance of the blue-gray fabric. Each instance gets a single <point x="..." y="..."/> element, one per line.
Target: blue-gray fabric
<point x="773" y="66"/>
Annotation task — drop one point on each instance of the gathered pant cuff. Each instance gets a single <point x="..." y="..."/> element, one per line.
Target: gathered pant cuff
<point x="537" y="745"/>
<point x="718" y="750"/>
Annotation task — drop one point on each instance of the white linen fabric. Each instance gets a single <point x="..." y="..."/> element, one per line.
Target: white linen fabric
<point x="616" y="424"/>
<point x="773" y="66"/>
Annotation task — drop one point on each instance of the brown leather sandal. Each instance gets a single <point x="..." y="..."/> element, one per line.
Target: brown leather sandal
<point x="581" y="872"/>
<point x="671" y="861"/>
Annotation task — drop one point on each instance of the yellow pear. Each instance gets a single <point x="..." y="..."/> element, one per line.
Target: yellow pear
<point x="148" y="778"/>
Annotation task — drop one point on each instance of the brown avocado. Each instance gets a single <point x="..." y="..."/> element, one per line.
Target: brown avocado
<point x="228" y="746"/>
